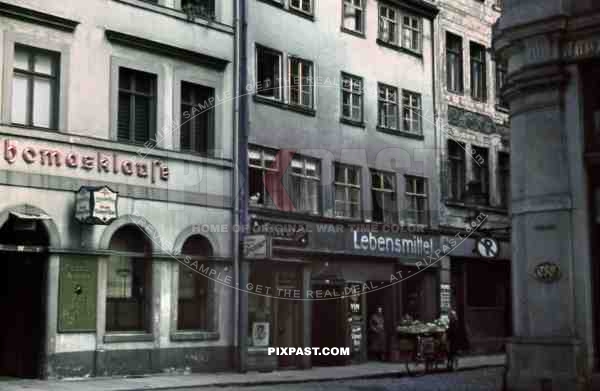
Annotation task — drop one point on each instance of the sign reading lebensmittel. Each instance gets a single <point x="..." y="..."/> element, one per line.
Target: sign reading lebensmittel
<point x="390" y="245"/>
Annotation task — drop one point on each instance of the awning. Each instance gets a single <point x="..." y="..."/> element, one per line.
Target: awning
<point x="30" y="216"/>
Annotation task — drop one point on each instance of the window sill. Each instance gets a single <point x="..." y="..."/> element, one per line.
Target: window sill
<point x="399" y="48"/>
<point x="359" y="34"/>
<point x="128" y="337"/>
<point x="195" y="336"/>
<point x="347" y="121"/>
<point x="302" y="14"/>
<point x="456" y="92"/>
<point x="401" y="133"/>
<point x="285" y="106"/>
<point x="488" y="208"/>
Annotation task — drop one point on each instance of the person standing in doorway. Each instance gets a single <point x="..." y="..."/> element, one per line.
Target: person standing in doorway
<point x="377" y="335"/>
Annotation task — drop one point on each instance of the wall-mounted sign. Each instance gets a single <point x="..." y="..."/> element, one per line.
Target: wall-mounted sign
<point x="444" y="298"/>
<point x="389" y="244"/>
<point x="283" y="233"/>
<point x="256" y="247"/>
<point x="488" y="248"/>
<point x="547" y="272"/>
<point x="77" y="294"/>
<point x="96" y="205"/>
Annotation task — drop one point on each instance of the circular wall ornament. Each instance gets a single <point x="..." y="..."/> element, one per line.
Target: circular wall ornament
<point x="547" y="272"/>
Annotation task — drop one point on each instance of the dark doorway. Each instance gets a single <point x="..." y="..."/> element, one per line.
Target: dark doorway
<point x="22" y="304"/>
<point x="380" y="298"/>
<point x="329" y="326"/>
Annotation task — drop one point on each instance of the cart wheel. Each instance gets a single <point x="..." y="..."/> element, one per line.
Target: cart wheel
<point x="452" y="364"/>
<point x="415" y="366"/>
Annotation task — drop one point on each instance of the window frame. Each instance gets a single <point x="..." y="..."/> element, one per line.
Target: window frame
<point x="347" y="186"/>
<point x="414" y="195"/>
<point x="387" y="21"/>
<point x="484" y="169"/>
<point x="302" y="63"/>
<point x="383" y="190"/>
<point x="456" y="185"/>
<point x="344" y="90"/>
<point x="152" y="96"/>
<point x="304" y="177"/>
<point x="264" y="170"/>
<point x="361" y="8"/>
<point x="457" y="56"/>
<point x="299" y="8"/>
<point x="501" y="75"/>
<point x="414" y="112"/>
<point x="387" y="102"/>
<point x="481" y="63"/>
<point x="280" y="87"/>
<point x="418" y="31"/>
<point x="210" y="137"/>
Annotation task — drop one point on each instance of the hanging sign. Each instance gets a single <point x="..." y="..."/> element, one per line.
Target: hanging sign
<point x="488" y="248"/>
<point x="96" y="205"/>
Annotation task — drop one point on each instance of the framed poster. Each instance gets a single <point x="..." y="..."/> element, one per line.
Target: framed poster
<point x="260" y="334"/>
<point x="77" y="294"/>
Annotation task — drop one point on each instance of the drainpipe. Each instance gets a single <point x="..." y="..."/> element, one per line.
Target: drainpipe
<point x="236" y="180"/>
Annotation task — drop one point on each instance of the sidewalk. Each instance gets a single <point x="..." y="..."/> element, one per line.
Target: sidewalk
<point x="164" y="382"/>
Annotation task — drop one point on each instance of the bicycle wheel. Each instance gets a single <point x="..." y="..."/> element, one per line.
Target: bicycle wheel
<point x="415" y="366"/>
<point x="452" y="364"/>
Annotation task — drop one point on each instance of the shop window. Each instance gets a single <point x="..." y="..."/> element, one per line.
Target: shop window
<point x="353" y="15"/>
<point x="347" y="191"/>
<point x="301" y="82"/>
<point x="35" y="87"/>
<point x="352" y="98"/>
<point x="456" y="170"/>
<point x="411" y="33"/>
<point x="383" y="194"/>
<point x="304" y="179"/>
<point x="504" y="179"/>
<point x="199" y="8"/>
<point x="388" y="24"/>
<point x="195" y="296"/>
<point x="305" y="6"/>
<point x="478" y="72"/>
<point x="479" y="186"/>
<point x="454" y="63"/>
<point x="388" y="107"/>
<point x="129" y="282"/>
<point x="501" y="72"/>
<point x="269" y="73"/>
<point x="197" y="126"/>
<point x="137" y="106"/>
<point x="260" y="163"/>
<point x="411" y="112"/>
<point x="416" y="209"/>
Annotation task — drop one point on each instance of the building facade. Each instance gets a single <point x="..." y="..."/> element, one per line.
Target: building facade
<point x="341" y="176"/>
<point x="111" y="161"/>
<point x="552" y="54"/>
<point x="473" y="140"/>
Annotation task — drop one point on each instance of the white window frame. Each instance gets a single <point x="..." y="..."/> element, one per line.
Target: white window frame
<point x="303" y="82"/>
<point x="349" y="90"/>
<point x="305" y="177"/>
<point x="383" y="190"/>
<point x="280" y="87"/>
<point x="414" y="110"/>
<point x="414" y="195"/>
<point x="300" y="4"/>
<point x="387" y="102"/>
<point x="347" y="186"/>
<point x="360" y="8"/>
<point x="385" y="21"/>
<point x="411" y="31"/>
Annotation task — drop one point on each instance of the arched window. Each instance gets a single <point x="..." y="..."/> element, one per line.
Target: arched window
<point x="195" y="303"/>
<point x="129" y="281"/>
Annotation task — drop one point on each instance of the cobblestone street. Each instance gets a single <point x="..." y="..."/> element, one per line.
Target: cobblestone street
<point x="487" y="379"/>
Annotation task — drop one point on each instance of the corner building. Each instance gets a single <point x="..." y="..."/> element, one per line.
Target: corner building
<point x="94" y="97"/>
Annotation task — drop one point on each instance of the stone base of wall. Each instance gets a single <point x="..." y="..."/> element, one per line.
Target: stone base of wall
<point x="261" y="361"/>
<point x="139" y="362"/>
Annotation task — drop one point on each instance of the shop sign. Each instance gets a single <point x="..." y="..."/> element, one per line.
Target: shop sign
<point x="387" y="244"/>
<point x="282" y="233"/>
<point x="256" y="247"/>
<point x="77" y="294"/>
<point x="488" y="248"/>
<point x="547" y="272"/>
<point x="356" y="336"/>
<point x="444" y="298"/>
<point x="96" y="205"/>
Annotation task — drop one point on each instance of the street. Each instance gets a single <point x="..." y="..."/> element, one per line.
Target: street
<point x="487" y="379"/>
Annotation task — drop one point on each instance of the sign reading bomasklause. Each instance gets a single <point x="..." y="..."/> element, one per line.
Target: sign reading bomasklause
<point x="77" y="294"/>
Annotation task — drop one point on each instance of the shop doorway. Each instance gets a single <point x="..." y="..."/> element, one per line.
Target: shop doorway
<point x="23" y="264"/>
<point x="329" y="325"/>
<point x="378" y="345"/>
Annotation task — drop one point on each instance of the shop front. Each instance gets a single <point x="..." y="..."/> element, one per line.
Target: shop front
<point x="328" y="285"/>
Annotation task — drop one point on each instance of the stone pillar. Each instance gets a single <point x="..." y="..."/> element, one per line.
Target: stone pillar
<point x="552" y="346"/>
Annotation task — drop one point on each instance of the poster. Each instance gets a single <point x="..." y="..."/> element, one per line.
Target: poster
<point x="260" y="334"/>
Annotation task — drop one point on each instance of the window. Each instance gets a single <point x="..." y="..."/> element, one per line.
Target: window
<point x="128" y="284"/>
<point x="302" y="5"/>
<point x="504" y="178"/>
<point x="199" y="8"/>
<point x="260" y="162"/>
<point x="268" y="65"/>
<point x="35" y="88"/>
<point x="388" y="29"/>
<point x="352" y="98"/>
<point x="353" y="15"/>
<point x="197" y="118"/>
<point x="388" y="107"/>
<point x="411" y="112"/>
<point x="481" y="181"/>
<point x="454" y="63"/>
<point x="478" y="72"/>
<point x="411" y="33"/>
<point x="500" y="82"/>
<point x="347" y="191"/>
<point x="195" y="296"/>
<point x="301" y="82"/>
<point x="383" y="194"/>
<point x="416" y="210"/>
<point x="137" y="106"/>
<point x="304" y="179"/>
<point x="456" y="170"/>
